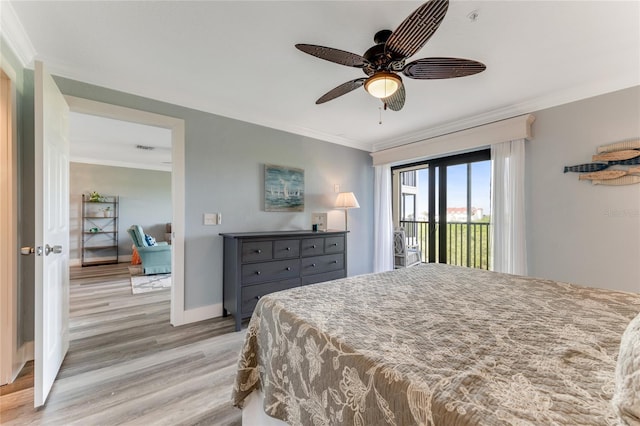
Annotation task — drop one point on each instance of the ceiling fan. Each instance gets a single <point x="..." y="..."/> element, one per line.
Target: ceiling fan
<point x="382" y="62"/>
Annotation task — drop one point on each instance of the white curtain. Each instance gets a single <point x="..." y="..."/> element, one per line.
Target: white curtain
<point x="382" y="220"/>
<point x="507" y="208"/>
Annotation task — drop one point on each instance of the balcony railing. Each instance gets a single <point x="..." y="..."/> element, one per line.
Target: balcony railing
<point x="468" y="243"/>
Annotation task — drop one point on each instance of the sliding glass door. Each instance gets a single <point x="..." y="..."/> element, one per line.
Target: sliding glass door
<point x="444" y="205"/>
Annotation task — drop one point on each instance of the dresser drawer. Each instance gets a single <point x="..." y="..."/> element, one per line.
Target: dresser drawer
<point x="251" y="294"/>
<point x="256" y="251"/>
<point x="320" y="264"/>
<point x="327" y="276"/>
<point x="334" y="245"/>
<point x="270" y="271"/>
<point x="312" y="246"/>
<point x="286" y="248"/>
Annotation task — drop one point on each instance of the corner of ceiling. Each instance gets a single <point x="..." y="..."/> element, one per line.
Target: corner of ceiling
<point x="14" y="34"/>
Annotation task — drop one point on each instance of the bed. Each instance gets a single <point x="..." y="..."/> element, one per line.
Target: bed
<point x="435" y="345"/>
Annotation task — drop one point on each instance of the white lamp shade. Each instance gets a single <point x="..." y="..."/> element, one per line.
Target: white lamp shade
<point x="346" y="200"/>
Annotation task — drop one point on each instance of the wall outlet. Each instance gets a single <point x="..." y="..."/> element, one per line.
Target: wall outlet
<point x="336" y="188"/>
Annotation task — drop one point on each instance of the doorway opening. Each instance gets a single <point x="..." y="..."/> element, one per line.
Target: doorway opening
<point x="176" y="149"/>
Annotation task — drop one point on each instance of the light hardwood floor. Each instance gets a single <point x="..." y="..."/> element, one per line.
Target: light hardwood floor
<point x="127" y="365"/>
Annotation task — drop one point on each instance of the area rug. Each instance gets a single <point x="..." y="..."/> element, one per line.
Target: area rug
<point x="141" y="283"/>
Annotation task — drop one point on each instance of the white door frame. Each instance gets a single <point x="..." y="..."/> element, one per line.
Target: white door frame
<point x="177" y="127"/>
<point x="10" y="360"/>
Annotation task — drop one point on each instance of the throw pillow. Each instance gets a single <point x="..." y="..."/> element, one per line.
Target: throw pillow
<point x="150" y="240"/>
<point x="626" y="398"/>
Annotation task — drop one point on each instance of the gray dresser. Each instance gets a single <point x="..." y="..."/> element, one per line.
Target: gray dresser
<point x="259" y="263"/>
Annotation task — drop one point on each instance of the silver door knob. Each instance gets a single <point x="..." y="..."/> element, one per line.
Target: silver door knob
<point x="55" y="250"/>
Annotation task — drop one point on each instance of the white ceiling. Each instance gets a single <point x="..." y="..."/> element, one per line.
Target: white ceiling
<point x="237" y="59"/>
<point x="101" y="140"/>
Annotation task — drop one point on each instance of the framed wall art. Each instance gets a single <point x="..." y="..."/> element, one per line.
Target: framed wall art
<point x="283" y="189"/>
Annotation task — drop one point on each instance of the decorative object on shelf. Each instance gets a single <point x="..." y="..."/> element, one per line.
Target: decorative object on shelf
<point x="283" y="189"/>
<point x="319" y="219"/>
<point x="95" y="197"/>
<point x="106" y="211"/>
<point x="612" y="165"/>
<point x="346" y="201"/>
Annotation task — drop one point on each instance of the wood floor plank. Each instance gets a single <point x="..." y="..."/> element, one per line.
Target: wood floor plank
<point x="127" y="365"/>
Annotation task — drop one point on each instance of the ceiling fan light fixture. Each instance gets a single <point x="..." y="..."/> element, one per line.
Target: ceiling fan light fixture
<point x="382" y="84"/>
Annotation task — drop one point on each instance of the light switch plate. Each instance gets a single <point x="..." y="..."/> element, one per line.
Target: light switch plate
<point x="210" y="219"/>
<point x="336" y="187"/>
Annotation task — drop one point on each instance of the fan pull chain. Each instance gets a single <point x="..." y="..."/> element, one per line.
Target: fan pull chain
<point x="380" y="111"/>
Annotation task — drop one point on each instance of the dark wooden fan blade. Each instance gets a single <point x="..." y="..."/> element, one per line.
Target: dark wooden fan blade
<point x="395" y="102"/>
<point x="333" y="55"/>
<point x="414" y="31"/>
<point x="435" y="68"/>
<point x="343" y="89"/>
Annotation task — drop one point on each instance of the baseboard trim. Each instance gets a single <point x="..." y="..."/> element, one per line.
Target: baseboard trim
<point x="200" y="314"/>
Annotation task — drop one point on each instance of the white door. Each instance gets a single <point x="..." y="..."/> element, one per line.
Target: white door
<point x="51" y="232"/>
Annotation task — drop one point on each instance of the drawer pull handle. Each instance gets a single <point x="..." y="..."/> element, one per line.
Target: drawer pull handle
<point x="335" y="261"/>
<point x="257" y="272"/>
<point x="335" y="244"/>
<point x="288" y="268"/>
<point x="313" y="246"/>
<point x="258" y="297"/>
<point x="288" y="248"/>
<point x="258" y="251"/>
<point x="313" y="265"/>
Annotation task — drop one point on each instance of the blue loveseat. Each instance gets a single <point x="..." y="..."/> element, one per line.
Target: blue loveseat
<point x="156" y="259"/>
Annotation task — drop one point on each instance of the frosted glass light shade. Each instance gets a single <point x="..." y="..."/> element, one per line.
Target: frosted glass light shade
<point x="382" y="84"/>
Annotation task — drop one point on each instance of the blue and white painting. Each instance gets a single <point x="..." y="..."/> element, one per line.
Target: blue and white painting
<point x="283" y="189"/>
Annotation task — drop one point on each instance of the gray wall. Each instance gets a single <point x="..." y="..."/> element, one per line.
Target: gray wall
<point x="224" y="173"/>
<point x="579" y="232"/>
<point x="145" y="200"/>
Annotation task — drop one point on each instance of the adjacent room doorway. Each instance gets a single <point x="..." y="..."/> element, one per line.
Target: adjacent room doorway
<point x="176" y="127"/>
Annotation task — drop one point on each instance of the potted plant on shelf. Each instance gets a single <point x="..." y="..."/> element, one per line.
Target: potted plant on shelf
<point x="95" y="197"/>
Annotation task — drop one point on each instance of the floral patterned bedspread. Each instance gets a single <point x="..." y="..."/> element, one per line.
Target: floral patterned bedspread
<point x="436" y="345"/>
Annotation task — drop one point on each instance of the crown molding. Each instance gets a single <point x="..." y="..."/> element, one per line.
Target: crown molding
<point x="14" y="34"/>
